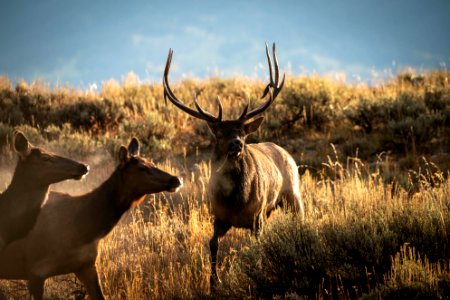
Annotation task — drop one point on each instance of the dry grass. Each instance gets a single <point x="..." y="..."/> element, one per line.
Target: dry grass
<point x="358" y="216"/>
<point x="159" y="250"/>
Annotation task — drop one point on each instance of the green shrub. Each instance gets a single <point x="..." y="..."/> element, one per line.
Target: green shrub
<point x="413" y="277"/>
<point x="308" y="103"/>
<point x="426" y="230"/>
<point x="288" y="258"/>
<point x="360" y="249"/>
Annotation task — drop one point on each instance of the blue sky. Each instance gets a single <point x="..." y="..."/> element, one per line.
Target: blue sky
<point x="85" y="42"/>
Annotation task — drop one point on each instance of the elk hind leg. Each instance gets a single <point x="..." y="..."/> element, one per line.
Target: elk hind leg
<point x="89" y="277"/>
<point x="36" y="287"/>
<point x="3" y="243"/>
<point x="293" y="202"/>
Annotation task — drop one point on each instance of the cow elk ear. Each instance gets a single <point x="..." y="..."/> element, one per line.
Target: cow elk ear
<point x="21" y="145"/>
<point x="123" y="155"/>
<point x="133" y="147"/>
<point x="253" y="125"/>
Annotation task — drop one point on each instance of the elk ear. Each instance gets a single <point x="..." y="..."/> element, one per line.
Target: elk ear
<point x="123" y="155"/>
<point x="253" y="125"/>
<point x="133" y="147"/>
<point x="21" y="144"/>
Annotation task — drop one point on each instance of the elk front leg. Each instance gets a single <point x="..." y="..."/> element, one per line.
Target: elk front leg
<point x="3" y="296"/>
<point x="89" y="277"/>
<point x="2" y="243"/>
<point x="220" y="229"/>
<point x="258" y="223"/>
<point x="36" y="288"/>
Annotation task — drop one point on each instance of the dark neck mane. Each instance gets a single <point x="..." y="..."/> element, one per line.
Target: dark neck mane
<point x="228" y="178"/>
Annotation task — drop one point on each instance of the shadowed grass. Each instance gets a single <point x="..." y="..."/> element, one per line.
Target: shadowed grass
<point x="382" y="183"/>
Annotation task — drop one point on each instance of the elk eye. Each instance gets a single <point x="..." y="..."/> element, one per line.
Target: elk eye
<point x="142" y="168"/>
<point x="46" y="158"/>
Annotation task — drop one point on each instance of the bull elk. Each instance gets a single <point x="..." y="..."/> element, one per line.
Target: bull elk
<point x="36" y="170"/>
<point x="69" y="228"/>
<point x="248" y="181"/>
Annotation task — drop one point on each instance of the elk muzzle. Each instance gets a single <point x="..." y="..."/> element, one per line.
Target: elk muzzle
<point x="175" y="184"/>
<point x="82" y="171"/>
<point x="235" y="147"/>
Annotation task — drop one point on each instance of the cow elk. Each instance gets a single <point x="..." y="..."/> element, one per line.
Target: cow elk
<point x="69" y="228"/>
<point x="21" y="202"/>
<point x="248" y="181"/>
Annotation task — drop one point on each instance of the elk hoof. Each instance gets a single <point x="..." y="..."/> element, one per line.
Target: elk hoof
<point x="214" y="281"/>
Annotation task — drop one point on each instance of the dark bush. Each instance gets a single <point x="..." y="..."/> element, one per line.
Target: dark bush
<point x="289" y="258"/>
<point x="308" y="105"/>
<point x="89" y="115"/>
<point x="427" y="231"/>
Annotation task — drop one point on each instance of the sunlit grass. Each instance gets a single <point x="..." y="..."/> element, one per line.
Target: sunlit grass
<point x="374" y="167"/>
<point x="352" y="229"/>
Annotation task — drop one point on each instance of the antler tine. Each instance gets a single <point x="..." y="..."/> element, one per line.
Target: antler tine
<point x="273" y="88"/>
<point x="275" y="61"/>
<point x="168" y="94"/>
<point x="201" y="110"/>
<point x="278" y="89"/>
<point x="269" y="60"/>
<point x="204" y="112"/>
<point x="219" y="116"/>
<point x="244" y="112"/>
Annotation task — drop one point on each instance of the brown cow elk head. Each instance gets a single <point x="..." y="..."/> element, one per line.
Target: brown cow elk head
<point x="141" y="176"/>
<point x="42" y="167"/>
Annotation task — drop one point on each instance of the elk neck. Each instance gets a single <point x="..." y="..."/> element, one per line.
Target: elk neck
<point x="26" y="177"/>
<point x="222" y="163"/>
<point x="25" y="184"/>
<point x="105" y="205"/>
<point x="21" y="201"/>
<point x="230" y="178"/>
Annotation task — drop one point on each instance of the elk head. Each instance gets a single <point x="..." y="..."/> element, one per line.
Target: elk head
<point x="42" y="167"/>
<point x="230" y="135"/>
<point x="140" y="176"/>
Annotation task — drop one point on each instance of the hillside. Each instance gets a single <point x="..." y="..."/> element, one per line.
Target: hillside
<point x="374" y="165"/>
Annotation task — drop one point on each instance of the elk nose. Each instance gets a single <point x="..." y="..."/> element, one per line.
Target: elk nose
<point x="84" y="169"/>
<point x="235" y="145"/>
<point x="176" y="182"/>
<point x="81" y="172"/>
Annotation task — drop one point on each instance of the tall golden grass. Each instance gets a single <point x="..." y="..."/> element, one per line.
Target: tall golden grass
<point x="376" y="196"/>
<point x="160" y="249"/>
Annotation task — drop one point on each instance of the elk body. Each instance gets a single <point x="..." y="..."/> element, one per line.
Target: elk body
<point x="248" y="181"/>
<point x="69" y="228"/>
<point x="21" y="202"/>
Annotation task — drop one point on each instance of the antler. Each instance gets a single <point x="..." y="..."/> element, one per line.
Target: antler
<point x="273" y="88"/>
<point x="168" y="94"/>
